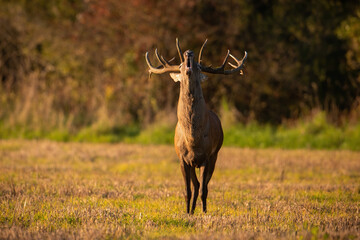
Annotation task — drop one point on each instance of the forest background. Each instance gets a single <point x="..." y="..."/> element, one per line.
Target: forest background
<point x="74" y="70"/>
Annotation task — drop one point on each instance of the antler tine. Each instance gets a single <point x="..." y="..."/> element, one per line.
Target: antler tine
<point x="151" y="67"/>
<point x="166" y="61"/>
<point x="169" y="60"/>
<point x="236" y="60"/>
<point x="179" y="50"/>
<point x="239" y="63"/>
<point x="201" y="50"/>
<point x="225" y="59"/>
<point x="160" y="59"/>
<point x="148" y="60"/>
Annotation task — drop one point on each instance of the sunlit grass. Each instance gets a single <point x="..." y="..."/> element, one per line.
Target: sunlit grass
<point x="77" y="190"/>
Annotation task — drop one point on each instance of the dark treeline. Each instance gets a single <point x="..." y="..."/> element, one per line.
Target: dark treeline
<point x="74" y="63"/>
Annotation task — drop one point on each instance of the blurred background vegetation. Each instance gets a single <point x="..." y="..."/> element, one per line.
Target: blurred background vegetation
<point x="74" y="70"/>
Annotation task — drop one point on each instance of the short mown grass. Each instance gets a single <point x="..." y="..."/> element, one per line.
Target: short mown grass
<point x="90" y="190"/>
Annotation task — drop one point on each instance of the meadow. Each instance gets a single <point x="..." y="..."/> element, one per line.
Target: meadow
<point x="57" y="190"/>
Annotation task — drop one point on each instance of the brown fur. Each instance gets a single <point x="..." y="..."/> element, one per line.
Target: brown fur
<point x="198" y="135"/>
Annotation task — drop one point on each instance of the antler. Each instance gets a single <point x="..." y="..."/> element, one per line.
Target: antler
<point x="165" y="65"/>
<point x="221" y="70"/>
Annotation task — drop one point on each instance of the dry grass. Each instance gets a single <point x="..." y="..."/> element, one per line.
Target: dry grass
<point x="70" y="190"/>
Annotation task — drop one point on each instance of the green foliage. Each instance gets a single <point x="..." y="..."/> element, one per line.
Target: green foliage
<point x="251" y="135"/>
<point x="315" y="133"/>
<point x="154" y="134"/>
<point x="106" y="134"/>
<point x="312" y="133"/>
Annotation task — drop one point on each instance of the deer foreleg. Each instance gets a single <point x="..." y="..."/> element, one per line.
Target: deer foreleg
<point x="185" y="169"/>
<point x="203" y="186"/>
<point x="206" y="173"/>
<point x="196" y="185"/>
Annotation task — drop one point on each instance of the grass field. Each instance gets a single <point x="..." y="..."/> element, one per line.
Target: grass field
<point x="54" y="190"/>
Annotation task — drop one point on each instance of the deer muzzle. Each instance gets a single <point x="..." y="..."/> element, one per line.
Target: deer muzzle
<point x="189" y="59"/>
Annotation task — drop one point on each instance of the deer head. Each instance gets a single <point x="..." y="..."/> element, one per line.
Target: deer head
<point x="189" y="69"/>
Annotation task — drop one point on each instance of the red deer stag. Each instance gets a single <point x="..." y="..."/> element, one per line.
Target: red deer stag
<point x="198" y="134"/>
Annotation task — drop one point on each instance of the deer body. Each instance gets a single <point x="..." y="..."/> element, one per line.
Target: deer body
<point x="198" y="138"/>
<point x="198" y="133"/>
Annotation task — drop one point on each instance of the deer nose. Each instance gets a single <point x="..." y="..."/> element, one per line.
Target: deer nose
<point x="189" y="53"/>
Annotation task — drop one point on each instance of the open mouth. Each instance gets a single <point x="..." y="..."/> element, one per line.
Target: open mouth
<point x="189" y="55"/>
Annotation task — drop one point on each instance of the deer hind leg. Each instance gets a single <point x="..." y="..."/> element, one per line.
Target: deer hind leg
<point x="196" y="185"/>
<point x="185" y="169"/>
<point x="206" y="173"/>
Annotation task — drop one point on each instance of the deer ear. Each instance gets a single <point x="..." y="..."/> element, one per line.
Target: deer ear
<point x="176" y="77"/>
<point x="203" y="77"/>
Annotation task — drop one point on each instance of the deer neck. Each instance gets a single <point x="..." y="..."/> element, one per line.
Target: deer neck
<point x="191" y="93"/>
<point x="192" y="111"/>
